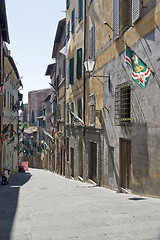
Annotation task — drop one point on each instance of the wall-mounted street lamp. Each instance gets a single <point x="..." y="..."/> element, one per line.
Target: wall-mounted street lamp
<point x="89" y="66"/>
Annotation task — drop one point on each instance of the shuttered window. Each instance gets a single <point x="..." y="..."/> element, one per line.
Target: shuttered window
<point x="115" y="18"/>
<point x="135" y="10"/>
<point x="80" y="10"/>
<point x="91" y="43"/>
<point x="72" y="108"/>
<point x="67" y="3"/>
<point x="67" y="80"/>
<point x="63" y="109"/>
<point x="68" y="30"/>
<point x="79" y="108"/>
<point x="91" y="106"/>
<point x="73" y="20"/>
<point x="71" y="71"/>
<point x="79" y="63"/>
<point x="67" y="112"/>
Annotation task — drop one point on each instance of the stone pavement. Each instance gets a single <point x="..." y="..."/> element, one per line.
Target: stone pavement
<point x="41" y="205"/>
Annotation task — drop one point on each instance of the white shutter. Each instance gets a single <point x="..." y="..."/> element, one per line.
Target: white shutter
<point x="135" y="10"/>
<point x="93" y="40"/>
<point x="115" y="18"/>
<point x="91" y="110"/>
<point x="90" y="44"/>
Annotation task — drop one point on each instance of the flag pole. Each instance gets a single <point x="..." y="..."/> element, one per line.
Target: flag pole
<point x="105" y="23"/>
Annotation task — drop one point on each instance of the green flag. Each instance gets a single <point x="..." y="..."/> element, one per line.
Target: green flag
<point x="140" y="72"/>
<point x="76" y="120"/>
<point x="5" y="131"/>
<point x="52" y="87"/>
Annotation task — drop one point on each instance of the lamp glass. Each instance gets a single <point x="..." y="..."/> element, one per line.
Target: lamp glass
<point x="89" y="65"/>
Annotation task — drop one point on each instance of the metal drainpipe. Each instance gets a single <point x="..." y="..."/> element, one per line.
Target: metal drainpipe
<point x="84" y="73"/>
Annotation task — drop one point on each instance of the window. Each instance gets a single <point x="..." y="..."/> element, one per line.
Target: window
<point x="72" y="108"/>
<point x="10" y="105"/>
<point x="68" y="30"/>
<point x="79" y="63"/>
<point x="91" y="43"/>
<point x="71" y="71"/>
<point x="67" y="3"/>
<point x="79" y="108"/>
<point x="80" y="10"/>
<point x="7" y="99"/>
<point x="125" y="14"/>
<point x="63" y="109"/>
<point x="91" y="105"/>
<point x="68" y="113"/>
<point x="67" y="82"/>
<point x="73" y="21"/>
<point x="123" y="103"/>
<point x="4" y="97"/>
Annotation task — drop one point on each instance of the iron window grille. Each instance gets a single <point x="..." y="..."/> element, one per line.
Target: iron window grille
<point x="123" y="104"/>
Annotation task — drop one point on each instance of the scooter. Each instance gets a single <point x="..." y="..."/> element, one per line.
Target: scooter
<point x="5" y="176"/>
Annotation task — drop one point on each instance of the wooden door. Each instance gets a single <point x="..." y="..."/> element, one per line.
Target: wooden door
<point x="125" y="163"/>
<point x="93" y="162"/>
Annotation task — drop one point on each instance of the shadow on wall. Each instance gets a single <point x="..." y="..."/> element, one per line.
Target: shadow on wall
<point x="9" y="201"/>
<point x="139" y="144"/>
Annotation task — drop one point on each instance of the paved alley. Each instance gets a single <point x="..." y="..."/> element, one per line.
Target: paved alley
<point x="41" y="205"/>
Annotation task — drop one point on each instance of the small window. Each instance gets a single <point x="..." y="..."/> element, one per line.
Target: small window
<point x="72" y="108"/>
<point x="71" y="71"/>
<point x="73" y="21"/>
<point x="125" y="14"/>
<point x="4" y="103"/>
<point x="91" y="42"/>
<point x="68" y="30"/>
<point x="67" y="3"/>
<point x="67" y="80"/>
<point x="91" y="105"/>
<point x="68" y="113"/>
<point x="63" y="109"/>
<point x="80" y="10"/>
<point x="79" y="108"/>
<point x="123" y="104"/>
<point x="79" y="63"/>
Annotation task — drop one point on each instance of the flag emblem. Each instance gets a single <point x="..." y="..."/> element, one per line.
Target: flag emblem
<point x="140" y="72"/>
<point x="76" y="120"/>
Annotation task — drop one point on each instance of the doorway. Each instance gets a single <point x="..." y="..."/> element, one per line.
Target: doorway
<point x="93" y="162"/>
<point x="72" y="162"/>
<point x="125" y="163"/>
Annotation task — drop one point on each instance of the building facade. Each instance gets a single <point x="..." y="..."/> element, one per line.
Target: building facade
<point x="118" y="147"/>
<point x="35" y="100"/>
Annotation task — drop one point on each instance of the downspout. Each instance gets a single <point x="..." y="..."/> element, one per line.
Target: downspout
<point x="84" y="73"/>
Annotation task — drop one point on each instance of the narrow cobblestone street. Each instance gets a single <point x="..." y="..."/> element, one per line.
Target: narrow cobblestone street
<point x="41" y="205"/>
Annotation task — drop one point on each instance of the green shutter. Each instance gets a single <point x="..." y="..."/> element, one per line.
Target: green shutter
<point x="67" y="112"/>
<point x="71" y="71"/>
<point x="79" y="63"/>
<point x="68" y="30"/>
<point x="73" y="21"/>
<point x="67" y="80"/>
<point x="67" y="3"/>
<point x="80" y="10"/>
